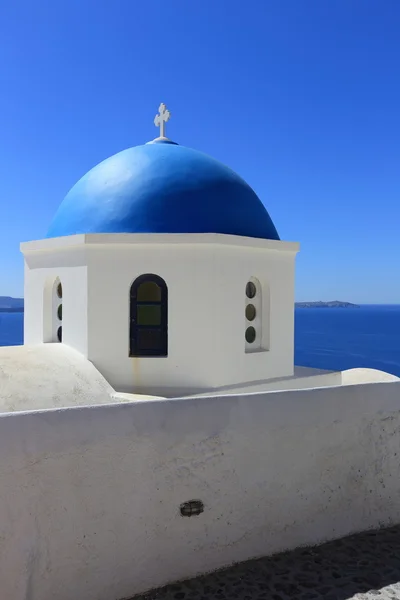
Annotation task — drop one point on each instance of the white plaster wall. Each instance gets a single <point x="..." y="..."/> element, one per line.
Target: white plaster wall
<point x="112" y="270"/>
<point x="206" y="304"/>
<point x="89" y="497"/>
<point x="41" y="271"/>
<point x="206" y="275"/>
<point x="275" y="270"/>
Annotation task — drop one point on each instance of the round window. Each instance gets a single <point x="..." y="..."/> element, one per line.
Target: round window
<point x="250" y="289"/>
<point x="250" y="312"/>
<point x="59" y="312"/>
<point x="59" y="334"/>
<point x="59" y="290"/>
<point x="250" y="335"/>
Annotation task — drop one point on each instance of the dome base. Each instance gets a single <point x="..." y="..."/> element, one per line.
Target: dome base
<point x="162" y="140"/>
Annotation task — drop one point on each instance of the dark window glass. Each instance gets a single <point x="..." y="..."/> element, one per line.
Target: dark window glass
<point x="59" y="334"/>
<point x="250" y="289"/>
<point x="148" y="317"/>
<point x="149" y="291"/>
<point x="59" y="290"/>
<point x="59" y="312"/>
<point x="250" y="312"/>
<point x="149" y="314"/>
<point x="250" y="335"/>
<point x="149" y="339"/>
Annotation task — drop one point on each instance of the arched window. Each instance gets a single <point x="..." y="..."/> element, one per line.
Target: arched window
<point x="148" y="335"/>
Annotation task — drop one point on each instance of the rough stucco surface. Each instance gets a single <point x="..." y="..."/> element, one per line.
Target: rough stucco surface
<point x="90" y="497"/>
<point x="48" y="376"/>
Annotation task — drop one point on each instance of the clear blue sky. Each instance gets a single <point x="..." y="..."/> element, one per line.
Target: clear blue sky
<point x="301" y="97"/>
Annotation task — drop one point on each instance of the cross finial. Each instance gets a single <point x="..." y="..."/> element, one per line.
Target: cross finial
<point x="162" y="118"/>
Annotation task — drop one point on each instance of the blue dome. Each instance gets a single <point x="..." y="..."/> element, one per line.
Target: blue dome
<point x="162" y="188"/>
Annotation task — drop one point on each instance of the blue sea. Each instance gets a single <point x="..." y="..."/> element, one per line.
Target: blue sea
<point x="325" y="338"/>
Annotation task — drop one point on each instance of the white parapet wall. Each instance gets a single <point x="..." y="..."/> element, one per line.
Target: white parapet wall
<point x="90" y="497"/>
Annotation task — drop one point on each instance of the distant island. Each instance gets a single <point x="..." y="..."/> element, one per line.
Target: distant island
<point x="8" y="304"/>
<point x="331" y="304"/>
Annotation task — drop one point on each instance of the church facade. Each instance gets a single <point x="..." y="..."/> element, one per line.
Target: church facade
<point x="164" y="269"/>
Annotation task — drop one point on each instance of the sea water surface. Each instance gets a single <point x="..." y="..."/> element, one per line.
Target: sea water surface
<point x="325" y="338"/>
<point x="345" y="338"/>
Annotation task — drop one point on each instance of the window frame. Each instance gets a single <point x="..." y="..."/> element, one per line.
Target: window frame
<point x="134" y="327"/>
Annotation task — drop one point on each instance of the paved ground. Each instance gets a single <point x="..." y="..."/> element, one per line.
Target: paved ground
<point x="364" y="566"/>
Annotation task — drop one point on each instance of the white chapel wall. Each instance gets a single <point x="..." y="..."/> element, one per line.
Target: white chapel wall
<point x="206" y="315"/>
<point x="235" y="266"/>
<point x="42" y="272"/>
<point x="90" y="497"/>
<point x="188" y="277"/>
<point x="206" y="276"/>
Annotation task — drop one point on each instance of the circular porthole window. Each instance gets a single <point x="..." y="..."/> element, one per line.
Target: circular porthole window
<point x="250" y="312"/>
<point x="59" y="312"/>
<point x="59" y="334"/>
<point x="250" y="289"/>
<point x="250" y="335"/>
<point x="59" y="290"/>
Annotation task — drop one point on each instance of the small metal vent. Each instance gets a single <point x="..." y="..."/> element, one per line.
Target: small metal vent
<point x="192" y="508"/>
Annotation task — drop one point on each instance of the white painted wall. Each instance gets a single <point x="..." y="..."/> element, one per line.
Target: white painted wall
<point x="89" y="497"/>
<point x="206" y="275"/>
<point x="42" y="270"/>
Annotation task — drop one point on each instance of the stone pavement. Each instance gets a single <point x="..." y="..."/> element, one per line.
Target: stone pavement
<point x="361" y="567"/>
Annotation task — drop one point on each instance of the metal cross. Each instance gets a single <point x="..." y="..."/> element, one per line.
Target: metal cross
<point x="162" y="118"/>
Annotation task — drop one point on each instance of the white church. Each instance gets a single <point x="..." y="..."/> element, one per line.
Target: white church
<point x="157" y="382"/>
